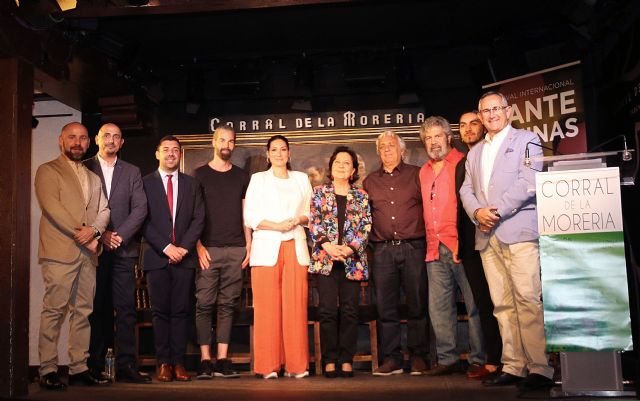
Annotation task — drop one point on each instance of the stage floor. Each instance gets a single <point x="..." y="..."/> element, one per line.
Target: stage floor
<point x="248" y="388"/>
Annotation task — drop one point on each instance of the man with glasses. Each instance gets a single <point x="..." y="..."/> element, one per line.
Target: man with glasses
<point x="499" y="195"/>
<point x="115" y="277"/>
<point x="440" y="179"/>
<point x="398" y="241"/>
<point x="471" y="133"/>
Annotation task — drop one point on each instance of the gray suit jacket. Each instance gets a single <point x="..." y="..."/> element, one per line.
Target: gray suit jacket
<point x="127" y="201"/>
<point x="511" y="188"/>
<point x="64" y="208"/>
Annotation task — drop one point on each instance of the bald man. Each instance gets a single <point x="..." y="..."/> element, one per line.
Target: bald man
<point x="115" y="281"/>
<point x="74" y="216"/>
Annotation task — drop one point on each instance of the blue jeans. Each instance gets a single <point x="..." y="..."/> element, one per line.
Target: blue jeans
<point x="443" y="275"/>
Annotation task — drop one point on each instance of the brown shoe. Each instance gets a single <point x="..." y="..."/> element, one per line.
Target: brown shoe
<point x="480" y="372"/>
<point x="181" y="373"/>
<point x="389" y="367"/>
<point x="418" y="366"/>
<point x="164" y="373"/>
<point x="443" y="370"/>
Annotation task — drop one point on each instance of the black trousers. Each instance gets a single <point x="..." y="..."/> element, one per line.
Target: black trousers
<point x="480" y="289"/>
<point x="170" y="292"/>
<point x="338" y="331"/>
<point x="115" y="289"/>
<point x="397" y="267"/>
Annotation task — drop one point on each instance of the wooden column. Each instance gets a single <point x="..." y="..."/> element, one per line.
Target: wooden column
<point x="16" y="98"/>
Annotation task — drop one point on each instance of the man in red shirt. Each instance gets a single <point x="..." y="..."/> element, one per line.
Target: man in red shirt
<point x="444" y="265"/>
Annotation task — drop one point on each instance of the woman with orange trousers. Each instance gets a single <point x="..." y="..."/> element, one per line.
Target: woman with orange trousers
<point x="277" y="209"/>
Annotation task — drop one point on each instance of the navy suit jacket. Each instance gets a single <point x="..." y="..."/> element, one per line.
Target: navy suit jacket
<point x="188" y="225"/>
<point x="127" y="201"/>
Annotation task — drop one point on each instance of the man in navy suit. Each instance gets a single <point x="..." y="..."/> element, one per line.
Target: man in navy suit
<point x="174" y="224"/>
<point x="115" y="278"/>
<point x="498" y="194"/>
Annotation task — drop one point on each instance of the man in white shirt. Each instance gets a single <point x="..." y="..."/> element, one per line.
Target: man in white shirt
<point x="115" y="278"/>
<point x="499" y="195"/>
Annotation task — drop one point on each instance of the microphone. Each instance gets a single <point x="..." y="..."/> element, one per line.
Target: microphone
<point x="626" y="155"/>
<point x="527" y="158"/>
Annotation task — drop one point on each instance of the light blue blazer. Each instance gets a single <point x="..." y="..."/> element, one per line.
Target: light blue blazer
<point x="511" y="188"/>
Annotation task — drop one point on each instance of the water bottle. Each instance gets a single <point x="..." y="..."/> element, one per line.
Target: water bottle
<point x="110" y="365"/>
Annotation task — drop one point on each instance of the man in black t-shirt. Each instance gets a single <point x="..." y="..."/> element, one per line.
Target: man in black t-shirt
<point x="223" y="251"/>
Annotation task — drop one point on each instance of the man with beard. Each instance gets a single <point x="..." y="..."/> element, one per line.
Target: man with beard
<point x="440" y="178"/>
<point x="116" y="281"/>
<point x="223" y="251"/>
<point x="472" y="132"/>
<point x="471" y="129"/>
<point x="74" y="215"/>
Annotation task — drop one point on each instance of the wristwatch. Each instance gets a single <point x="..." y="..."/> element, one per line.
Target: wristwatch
<point x="96" y="233"/>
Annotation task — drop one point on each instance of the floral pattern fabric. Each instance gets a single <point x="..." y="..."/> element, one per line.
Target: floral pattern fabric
<point x="323" y="226"/>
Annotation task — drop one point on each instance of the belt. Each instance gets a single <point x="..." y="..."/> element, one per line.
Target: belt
<point x="396" y="242"/>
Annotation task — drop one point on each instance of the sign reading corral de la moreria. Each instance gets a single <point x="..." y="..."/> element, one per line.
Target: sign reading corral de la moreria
<point x="579" y="201"/>
<point x="319" y="121"/>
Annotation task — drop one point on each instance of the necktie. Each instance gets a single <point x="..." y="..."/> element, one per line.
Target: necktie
<point x="170" y="200"/>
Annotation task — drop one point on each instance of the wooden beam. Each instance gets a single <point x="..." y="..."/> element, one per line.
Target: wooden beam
<point x="16" y="98"/>
<point x="157" y="7"/>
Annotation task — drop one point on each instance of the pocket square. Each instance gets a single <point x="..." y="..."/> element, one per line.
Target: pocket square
<point x="509" y="150"/>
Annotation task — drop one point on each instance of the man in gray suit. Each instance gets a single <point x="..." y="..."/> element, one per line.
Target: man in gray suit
<point x="498" y="194"/>
<point x="115" y="279"/>
<point x="74" y="214"/>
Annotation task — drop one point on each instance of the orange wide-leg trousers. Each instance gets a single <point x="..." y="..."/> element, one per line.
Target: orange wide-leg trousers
<point x="280" y="314"/>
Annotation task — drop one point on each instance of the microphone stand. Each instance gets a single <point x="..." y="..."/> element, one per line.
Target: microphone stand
<point x="527" y="158"/>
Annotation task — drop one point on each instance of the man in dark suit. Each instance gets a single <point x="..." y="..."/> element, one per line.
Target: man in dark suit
<point x="174" y="224"/>
<point x="115" y="278"/>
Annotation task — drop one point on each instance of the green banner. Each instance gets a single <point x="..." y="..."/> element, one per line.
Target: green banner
<point x="584" y="289"/>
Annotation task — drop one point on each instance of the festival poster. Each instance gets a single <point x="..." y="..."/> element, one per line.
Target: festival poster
<point x="549" y="103"/>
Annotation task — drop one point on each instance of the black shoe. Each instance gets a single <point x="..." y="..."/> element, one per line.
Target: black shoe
<point x="224" y="368"/>
<point x="534" y="382"/>
<point x="130" y="374"/>
<point x="330" y="374"/>
<point x="87" y="379"/>
<point x="51" y="381"/>
<point x="504" y="379"/>
<point x="206" y="370"/>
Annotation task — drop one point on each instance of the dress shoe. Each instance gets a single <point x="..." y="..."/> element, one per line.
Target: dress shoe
<point x="51" y="381"/>
<point x="504" y="379"/>
<point x="130" y="374"/>
<point x="330" y="371"/>
<point x="480" y="372"/>
<point x="164" y="373"/>
<point x="534" y="382"/>
<point x="347" y="370"/>
<point x="87" y="379"/>
<point x="181" y="374"/>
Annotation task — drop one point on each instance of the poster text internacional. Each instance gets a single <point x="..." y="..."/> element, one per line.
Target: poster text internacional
<point x="549" y="103"/>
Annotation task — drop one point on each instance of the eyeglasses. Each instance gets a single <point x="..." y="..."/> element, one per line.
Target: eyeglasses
<point x="494" y="110"/>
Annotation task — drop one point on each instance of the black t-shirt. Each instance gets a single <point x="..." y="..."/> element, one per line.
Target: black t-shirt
<point x="223" y="194"/>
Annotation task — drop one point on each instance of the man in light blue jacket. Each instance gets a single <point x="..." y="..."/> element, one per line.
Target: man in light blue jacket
<point x="499" y="195"/>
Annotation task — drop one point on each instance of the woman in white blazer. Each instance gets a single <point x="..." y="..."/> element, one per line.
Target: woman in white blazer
<point x="277" y="208"/>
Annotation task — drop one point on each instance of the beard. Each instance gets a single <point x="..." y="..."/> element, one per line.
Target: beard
<point x="438" y="153"/>
<point x="76" y="153"/>
<point x="224" y="154"/>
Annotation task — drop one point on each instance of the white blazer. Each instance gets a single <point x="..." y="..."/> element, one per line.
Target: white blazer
<point x="263" y="202"/>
